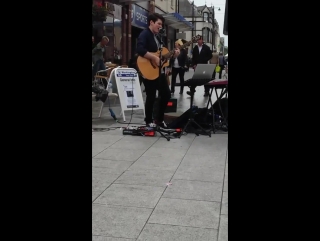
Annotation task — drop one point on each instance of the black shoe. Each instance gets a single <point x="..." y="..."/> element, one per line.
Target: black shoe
<point x="206" y="94"/>
<point x="153" y="125"/>
<point x="188" y="93"/>
<point x="162" y="125"/>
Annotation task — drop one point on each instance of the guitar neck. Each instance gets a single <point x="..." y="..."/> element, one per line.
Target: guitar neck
<point x="168" y="55"/>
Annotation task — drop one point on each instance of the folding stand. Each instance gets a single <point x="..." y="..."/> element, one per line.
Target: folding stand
<point x="223" y="85"/>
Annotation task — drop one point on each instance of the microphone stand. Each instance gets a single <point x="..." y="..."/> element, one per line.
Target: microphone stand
<point x="160" y="69"/>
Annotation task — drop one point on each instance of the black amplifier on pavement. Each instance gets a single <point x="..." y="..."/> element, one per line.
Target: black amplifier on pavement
<point x="171" y="106"/>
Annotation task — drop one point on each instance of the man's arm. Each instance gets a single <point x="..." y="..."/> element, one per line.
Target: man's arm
<point x="194" y="56"/>
<point x="184" y="57"/>
<point x="209" y="54"/>
<point x="141" y="47"/>
<point x="98" y="47"/>
<point x="94" y="50"/>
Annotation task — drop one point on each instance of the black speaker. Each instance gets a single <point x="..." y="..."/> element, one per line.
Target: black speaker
<point x="171" y="107"/>
<point x="200" y="115"/>
<point x="181" y="121"/>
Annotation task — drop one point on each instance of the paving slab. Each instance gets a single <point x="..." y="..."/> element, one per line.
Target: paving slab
<point x="147" y="177"/>
<point x="225" y="182"/>
<point x="120" y="154"/>
<point x="223" y="228"/>
<point x="182" y="143"/>
<point x="224" y="208"/>
<point x="199" y="173"/>
<point x="165" y="153"/>
<point x="131" y="195"/>
<point x="195" y="190"/>
<point x="155" y="163"/>
<point x="100" y="180"/>
<point x="96" y="194"/>
<point x="127" y="143"/>
<point x="97" y="148"/>
<point x="120" y="222"/>
<point x="109" y="166"/>
<point x="105" y="139"/>
<point x="204" y="160"/>
<point x="102" y="238"/>
<point x="157" y="232"/>
<point x="190" y="213"/>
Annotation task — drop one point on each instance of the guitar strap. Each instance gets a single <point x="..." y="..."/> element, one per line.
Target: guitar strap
<point x="157" y="41"/>
<point x="159" y="46"/>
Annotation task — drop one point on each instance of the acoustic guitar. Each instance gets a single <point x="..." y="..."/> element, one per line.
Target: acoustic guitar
<point x="149" y="71"/>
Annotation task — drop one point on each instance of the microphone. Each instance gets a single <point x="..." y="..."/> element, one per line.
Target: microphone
<point x="162" y="30"/>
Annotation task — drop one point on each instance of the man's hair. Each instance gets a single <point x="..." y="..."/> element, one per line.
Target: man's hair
<point x="105" y="37"/>
<point x="154" y="17"/>
<point x="214" y="50"/>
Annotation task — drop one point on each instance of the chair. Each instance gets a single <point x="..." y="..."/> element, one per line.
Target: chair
<point x="112" y="95"/>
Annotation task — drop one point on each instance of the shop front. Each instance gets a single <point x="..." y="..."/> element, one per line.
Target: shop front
<point x="139" y="16"/>
<point x="110" y="26"/>
<point x="176" y="25"/>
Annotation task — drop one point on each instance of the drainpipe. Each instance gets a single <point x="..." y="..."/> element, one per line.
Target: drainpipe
<point x="192" y="21"/>
<point x="177" y="11"/>
<point x="212" y="40"/>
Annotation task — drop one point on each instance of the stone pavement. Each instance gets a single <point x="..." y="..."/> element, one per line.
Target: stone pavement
<point x="148" y="188"/>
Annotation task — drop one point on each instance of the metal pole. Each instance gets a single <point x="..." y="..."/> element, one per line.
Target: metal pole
<point x="192" y="22"/>
<point x="213" y="47"/>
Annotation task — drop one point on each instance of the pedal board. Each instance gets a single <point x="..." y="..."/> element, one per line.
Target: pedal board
<point x="150" y="131"/>
<point x="139" y="131"/>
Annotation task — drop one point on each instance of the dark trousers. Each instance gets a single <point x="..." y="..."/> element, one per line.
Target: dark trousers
<point x="220" y="73"/>
<point x="175" y="72"/>
<point x="206" y="88"/>
<point x="151" y="87"/>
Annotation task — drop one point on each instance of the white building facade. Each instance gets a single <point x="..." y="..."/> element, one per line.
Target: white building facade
<point x="204" y="24"/>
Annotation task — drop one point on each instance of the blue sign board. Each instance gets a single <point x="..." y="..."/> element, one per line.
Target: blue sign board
<point x="139" y="17"/>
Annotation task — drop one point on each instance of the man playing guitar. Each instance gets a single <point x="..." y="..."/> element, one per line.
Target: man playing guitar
<point x="149" y="42"/>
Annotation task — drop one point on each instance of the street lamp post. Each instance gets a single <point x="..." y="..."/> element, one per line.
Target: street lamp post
<point x="213" y="27"/>
<point x="193" y="24"/>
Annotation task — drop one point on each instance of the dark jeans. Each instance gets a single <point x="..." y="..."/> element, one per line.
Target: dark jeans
<point x="206" y="88"/>
<point x="99" y="65"/>
<point x="220" y="73"/>
<point x="175" y="72"/>
<point x="151" y="87"/>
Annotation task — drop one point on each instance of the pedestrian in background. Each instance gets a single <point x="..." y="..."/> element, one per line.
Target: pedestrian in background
<point x="222" y="63"/>
<point x="214" y="60"/>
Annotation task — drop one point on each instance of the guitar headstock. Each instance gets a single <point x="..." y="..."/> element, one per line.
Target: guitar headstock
<point x="196" y="38"/>
<point x="193" y="40"/>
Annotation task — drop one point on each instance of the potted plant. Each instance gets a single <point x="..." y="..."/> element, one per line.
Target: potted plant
<point x="99" y="12"/>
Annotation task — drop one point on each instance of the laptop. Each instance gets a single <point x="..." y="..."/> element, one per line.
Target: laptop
<point x="204" y="71"/>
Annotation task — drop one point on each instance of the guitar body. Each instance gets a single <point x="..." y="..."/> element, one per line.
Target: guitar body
<point x="147" y="69"/>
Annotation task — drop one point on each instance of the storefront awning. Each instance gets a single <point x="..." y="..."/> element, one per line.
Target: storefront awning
<point x="176" y="21"/>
